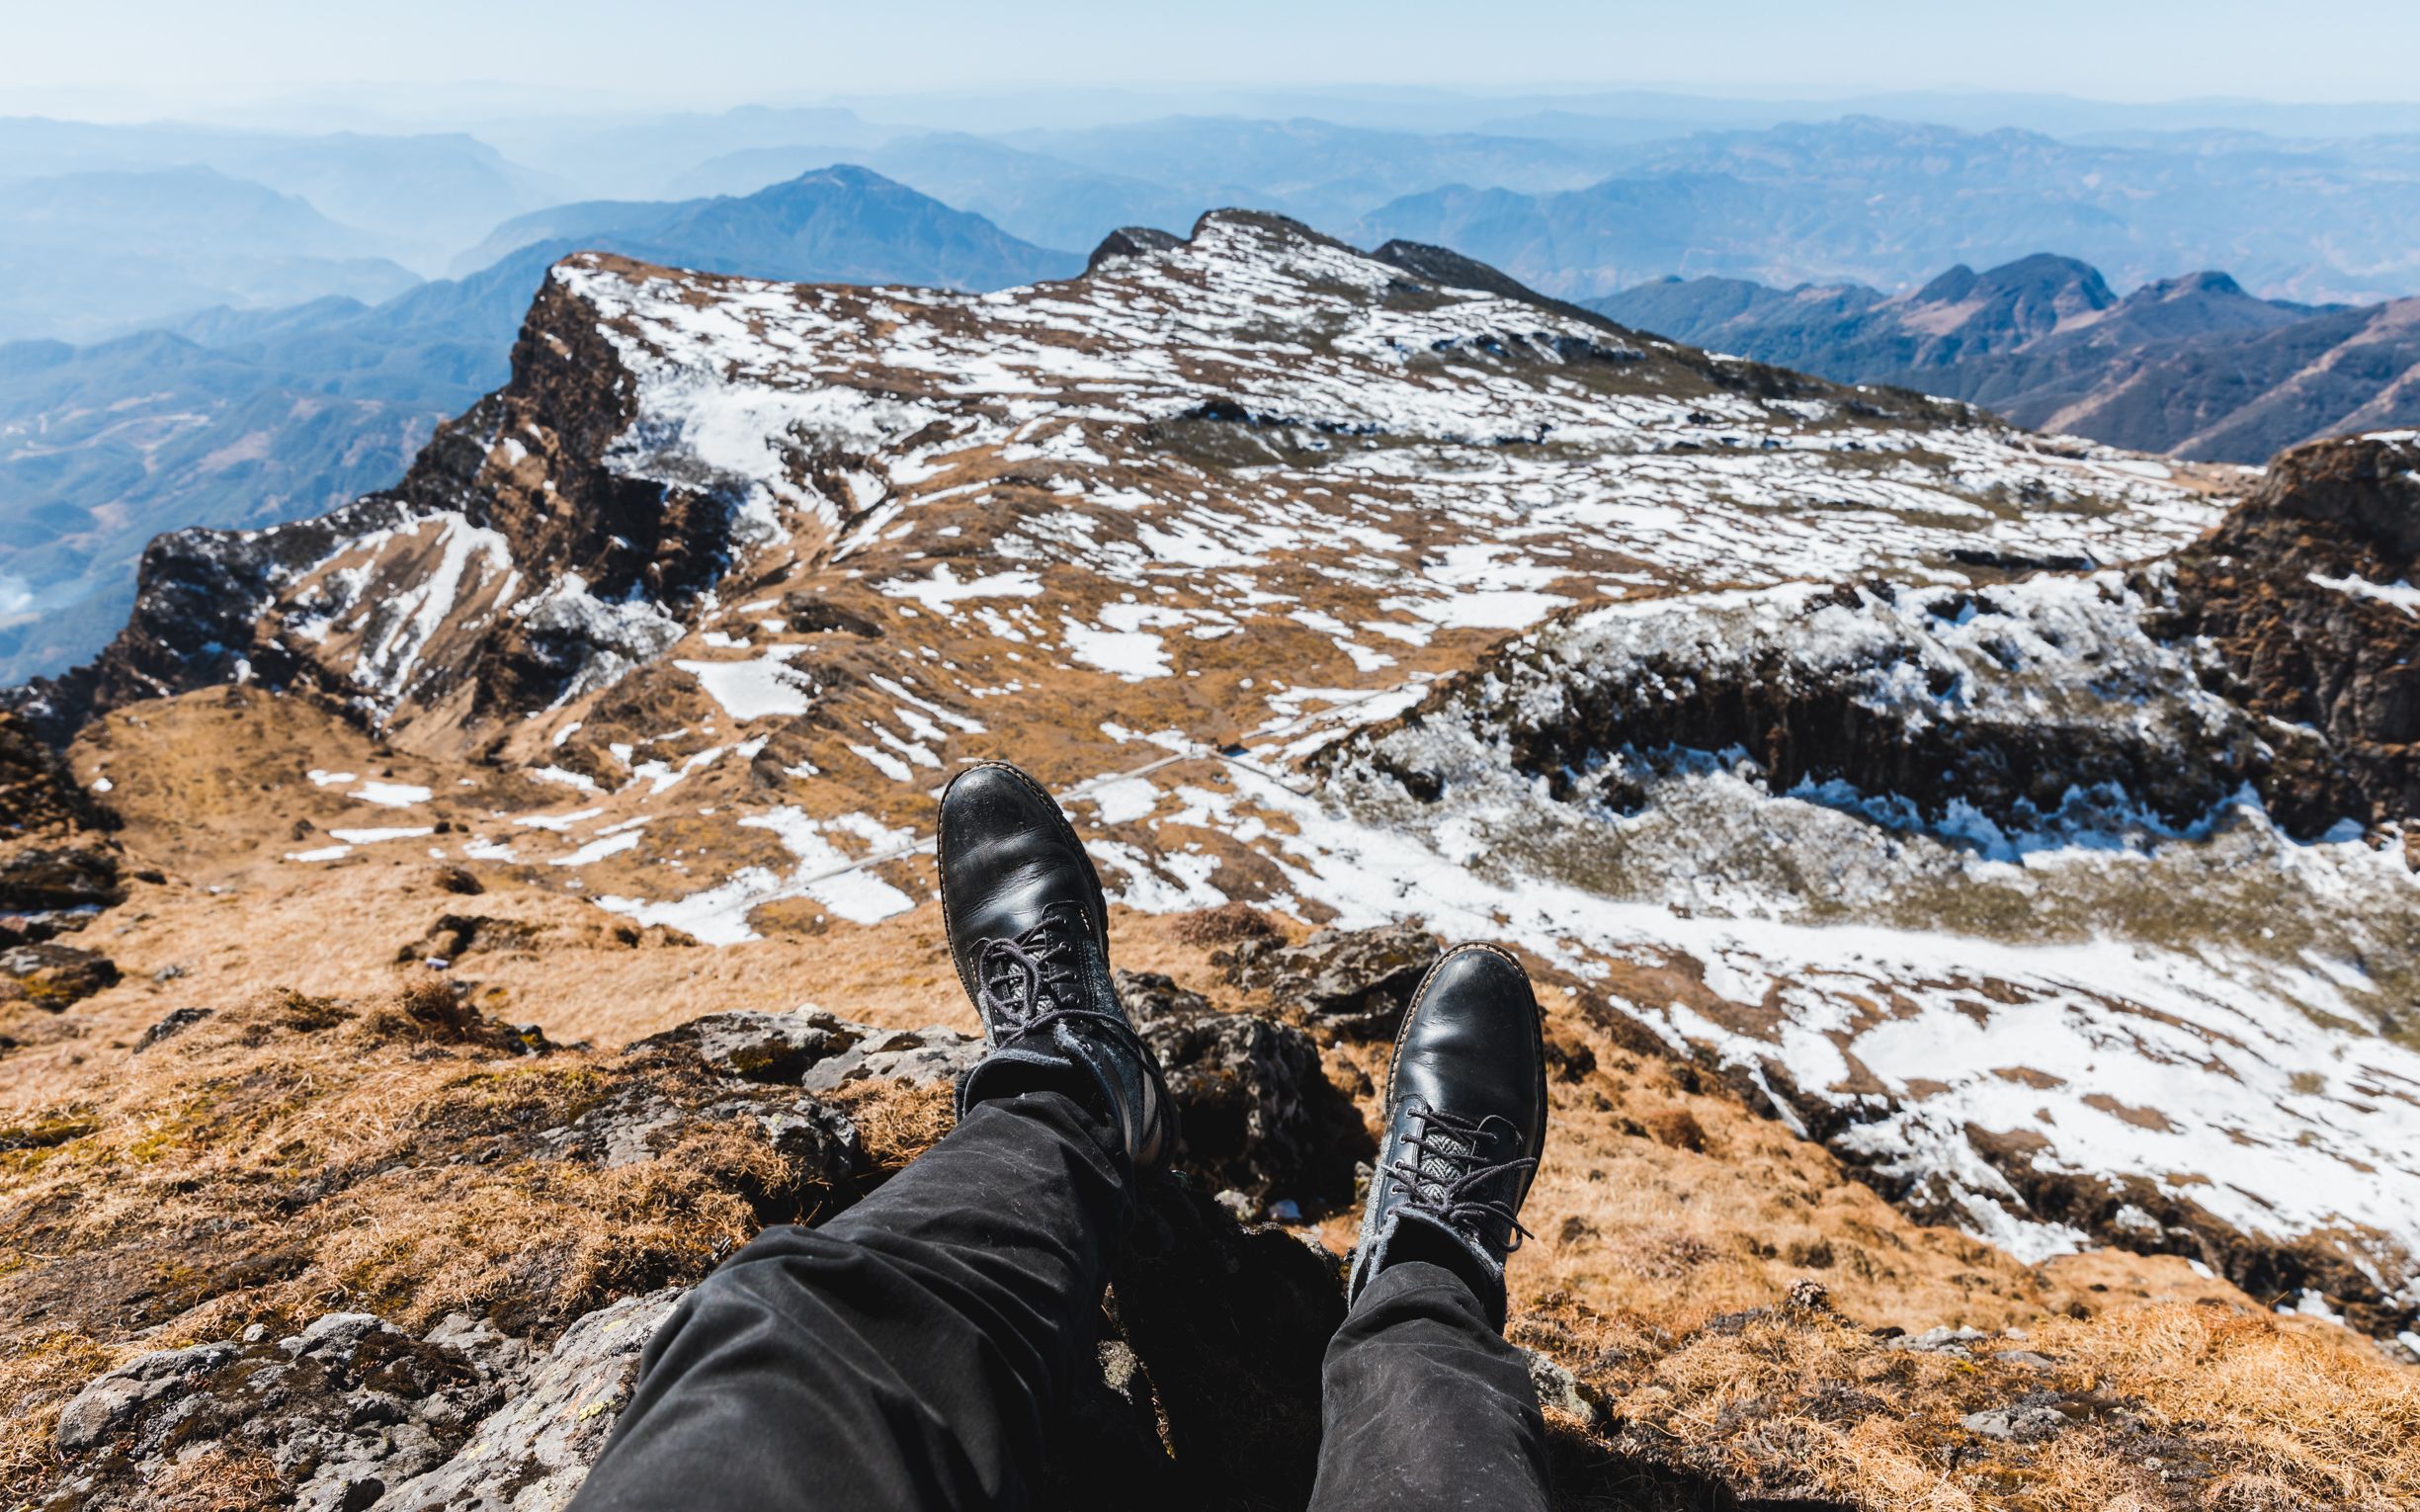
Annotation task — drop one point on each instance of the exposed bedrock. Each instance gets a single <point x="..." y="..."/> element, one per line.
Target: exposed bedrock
<point x="2303" y="599"/>
<point x="534" y="463"/>
<point x="2282" y="651"/>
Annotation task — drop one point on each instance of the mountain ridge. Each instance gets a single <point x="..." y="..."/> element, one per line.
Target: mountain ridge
<point x="293" y="410"/>
<point x="2190" y="366"/>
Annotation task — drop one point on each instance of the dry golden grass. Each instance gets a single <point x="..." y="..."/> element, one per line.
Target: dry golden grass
<point x="295" y="1155"/>
<point x="2165" y="1405"/>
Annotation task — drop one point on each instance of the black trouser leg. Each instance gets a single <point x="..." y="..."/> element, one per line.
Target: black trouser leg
<point x="1426" y="1406"/>
<point x="906" y="1354"/>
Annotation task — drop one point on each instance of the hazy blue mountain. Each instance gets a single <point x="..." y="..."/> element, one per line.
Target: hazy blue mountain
<point x="246" y="417"/>
<point x="591" y="218"/>
<point x="92" y="254"/>
<point x="842" y="224"/>
<point x="421" y="197"/>
<point x="103" y="447"/>
<point x="1041" y="198"/>
<point x="2192" y="365"/>
<point x="1886" y="202"/>
<point x="1314" y="170"/>
<point x="640" y="156"/>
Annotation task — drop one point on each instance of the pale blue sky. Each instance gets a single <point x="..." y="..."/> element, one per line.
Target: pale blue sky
<point x="144" y="57"/>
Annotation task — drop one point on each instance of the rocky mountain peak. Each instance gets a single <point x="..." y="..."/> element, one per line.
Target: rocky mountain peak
<point x="2009" y="305"/>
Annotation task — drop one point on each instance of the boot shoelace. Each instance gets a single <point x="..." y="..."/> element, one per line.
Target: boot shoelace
<point x="1026" y="983"/>
<point x="1441" y="1169"/>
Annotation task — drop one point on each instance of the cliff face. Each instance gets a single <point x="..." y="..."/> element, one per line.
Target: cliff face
<point x="2305" y="595"/>
<point x="1938" y="930"/>
<point x="510" y="563"/>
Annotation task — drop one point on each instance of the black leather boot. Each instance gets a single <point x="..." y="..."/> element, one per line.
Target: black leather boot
<point x="1465" y="1123"/>
<point x="1030" y="933"/>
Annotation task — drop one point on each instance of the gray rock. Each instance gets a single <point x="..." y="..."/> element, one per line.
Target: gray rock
<point x="2019" y="1424"/>
<point x="935" y="1054"/>
<point x="1353" y="983"/>
<point x="532" y="1453"/>
<point x="816" y="1051"/>
<point x="101" y="1407"/>
<point x="759" y="1046"/>
<point x="1560" y="1389"/>
<point x="1943" y="1341"/>
<point x="342" y="1410"/>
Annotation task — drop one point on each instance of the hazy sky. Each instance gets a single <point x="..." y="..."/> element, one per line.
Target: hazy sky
<point x="139" y="56"/>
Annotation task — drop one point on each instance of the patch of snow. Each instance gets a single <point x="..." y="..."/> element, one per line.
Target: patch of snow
<point x="2403" y="595"/>
<point x="764" y="687"/>
<point x="391" y="794"/>
<point x="824" y="873"/>
<point x="598" y="849"/>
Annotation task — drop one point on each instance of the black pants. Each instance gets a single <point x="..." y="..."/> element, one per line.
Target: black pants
<point x="909" y="1353"/>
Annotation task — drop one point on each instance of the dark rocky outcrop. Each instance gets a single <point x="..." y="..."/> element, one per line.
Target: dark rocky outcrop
<point x="2280" y="652"/>
<point x="37" y="791"/>
<point x="1259" y="1114"/>
<point x="202" y="598"/>
<point x="54" y="977"/>
<point x="1347" y="983"/>
<point x="1131" y="241"/>
<point x="2342" y="660"/>
<point x="36" y="879"/>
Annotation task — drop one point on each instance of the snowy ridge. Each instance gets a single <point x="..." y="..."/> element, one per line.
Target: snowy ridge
<point x="1970" y="987"/>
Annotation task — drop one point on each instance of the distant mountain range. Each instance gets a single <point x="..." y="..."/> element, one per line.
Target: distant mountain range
<point x="421" y="197"/>
<point x="2192" y="366"/>
<point x="1886" y="202"/>
<point x="249" y="417"/>
<point x="84" y="254"/>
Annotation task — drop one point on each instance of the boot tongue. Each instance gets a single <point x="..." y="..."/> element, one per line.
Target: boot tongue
<point x="1446" y="1151"/>
<point x="1457" y="1181"/>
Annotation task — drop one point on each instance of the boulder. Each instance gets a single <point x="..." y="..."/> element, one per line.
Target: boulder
<point x="54" y="977"/>
<point x="337" y="1413"/>
<point x="35" y="879"/>
<point x="815" y="1049"/>
<point x="1348" y="983"/>
<point x="532" y="1453"/>
<point x="1257" y="1113"/>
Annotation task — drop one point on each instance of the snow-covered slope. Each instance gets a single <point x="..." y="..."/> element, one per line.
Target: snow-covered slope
<point x="1978" y="885"/>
